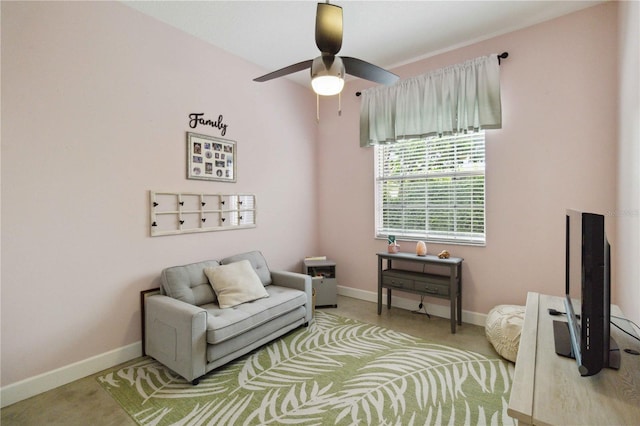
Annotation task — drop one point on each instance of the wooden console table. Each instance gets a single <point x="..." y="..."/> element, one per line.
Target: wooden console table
<point x="427" y="284"/>
<point x="548" y="389"/>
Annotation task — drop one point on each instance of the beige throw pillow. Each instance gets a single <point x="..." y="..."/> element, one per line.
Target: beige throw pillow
<point x="235" y="283"/>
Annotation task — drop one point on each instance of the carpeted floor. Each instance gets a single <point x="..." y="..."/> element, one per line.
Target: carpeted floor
<point x="336" y="371"/>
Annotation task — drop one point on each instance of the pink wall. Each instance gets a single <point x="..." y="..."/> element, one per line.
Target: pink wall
<point x="94" y="108"/>
<point x="557" y="149"/>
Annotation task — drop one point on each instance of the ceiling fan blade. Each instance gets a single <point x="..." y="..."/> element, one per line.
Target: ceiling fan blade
<point x="362" y="69"/>
<point x="286" y="70"/>
<point x="329" y="28"/>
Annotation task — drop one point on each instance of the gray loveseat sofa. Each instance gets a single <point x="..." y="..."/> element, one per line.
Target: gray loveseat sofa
<point x="187" y="330"/>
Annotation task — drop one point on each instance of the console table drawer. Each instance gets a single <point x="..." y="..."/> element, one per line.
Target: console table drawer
<point x="432" y="288"/>
<point x="397" y="282"/>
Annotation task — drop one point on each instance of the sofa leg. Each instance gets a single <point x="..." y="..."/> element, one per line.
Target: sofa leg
<point x="195" y="382"/>
<point x="306" y="324"/>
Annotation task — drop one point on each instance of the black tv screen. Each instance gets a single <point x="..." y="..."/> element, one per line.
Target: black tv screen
<point x="586" y="334"/>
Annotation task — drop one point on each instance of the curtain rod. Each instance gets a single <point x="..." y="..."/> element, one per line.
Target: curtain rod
<point x="503" y="55"/>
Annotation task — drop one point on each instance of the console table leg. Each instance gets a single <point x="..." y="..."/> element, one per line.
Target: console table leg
<point x="459" y="293"/>
<point x="379" y="285"/>
<point x="453" y="292"/>
<point x="453" y="315"/>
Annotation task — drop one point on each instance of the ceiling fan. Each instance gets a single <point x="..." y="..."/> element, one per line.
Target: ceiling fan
<point x="327" y="70"/>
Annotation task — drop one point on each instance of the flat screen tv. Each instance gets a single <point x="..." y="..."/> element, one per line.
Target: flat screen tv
<point x="585" y="336"/>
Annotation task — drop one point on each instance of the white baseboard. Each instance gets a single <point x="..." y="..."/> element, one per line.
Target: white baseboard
<point x="32" y="386"/>
<point x="442" y="311"/>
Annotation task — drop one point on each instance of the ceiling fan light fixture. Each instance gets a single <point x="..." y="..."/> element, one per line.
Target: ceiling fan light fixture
<point x="327" y="81"/>
<point x="327" y="85"/>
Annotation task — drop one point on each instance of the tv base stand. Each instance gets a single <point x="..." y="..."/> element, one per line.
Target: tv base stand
<point x="562" y="343"/>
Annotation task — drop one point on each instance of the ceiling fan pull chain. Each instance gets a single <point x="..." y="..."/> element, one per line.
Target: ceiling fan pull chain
<point x="317" y="108"/>
<point x="339" y="104"/>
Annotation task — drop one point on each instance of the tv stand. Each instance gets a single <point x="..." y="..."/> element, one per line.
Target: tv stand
<point x="548" y="389"/>
<point x="562" y="343"/>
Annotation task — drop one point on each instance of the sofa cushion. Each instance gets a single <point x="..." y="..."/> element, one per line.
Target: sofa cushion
<point x="224" y="324"/>
<point x="258" y="262"/>
<point x="235" y="283"/>
<point x="189" y="283"/>
<point x="257" y="336"/>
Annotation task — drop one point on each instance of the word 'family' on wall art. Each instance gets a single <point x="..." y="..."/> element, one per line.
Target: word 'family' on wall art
<point x="188" y="212"/>
<point x="211" y="158"/>
<point x="198" y="118"/>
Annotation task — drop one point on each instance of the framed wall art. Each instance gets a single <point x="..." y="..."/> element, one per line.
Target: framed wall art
<point x="211" y="158"/>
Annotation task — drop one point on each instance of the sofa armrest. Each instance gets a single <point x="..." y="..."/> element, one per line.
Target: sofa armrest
<point x="298" y="281"/>
<point x="176" y="335"/>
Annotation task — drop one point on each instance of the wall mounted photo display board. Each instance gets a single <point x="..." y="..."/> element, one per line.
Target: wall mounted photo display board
<point x="211" y="158"/>
<point x="173" y="213"/>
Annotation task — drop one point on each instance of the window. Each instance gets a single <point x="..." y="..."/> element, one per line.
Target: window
<point x="432" y="189"/>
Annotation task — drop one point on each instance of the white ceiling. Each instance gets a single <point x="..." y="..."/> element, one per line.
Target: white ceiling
<point x="274" y="34"/>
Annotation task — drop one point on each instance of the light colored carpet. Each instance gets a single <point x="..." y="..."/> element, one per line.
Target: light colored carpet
<point x="336" y="371"/>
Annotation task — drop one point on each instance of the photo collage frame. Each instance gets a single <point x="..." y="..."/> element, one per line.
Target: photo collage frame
<point x="211" y="158"/>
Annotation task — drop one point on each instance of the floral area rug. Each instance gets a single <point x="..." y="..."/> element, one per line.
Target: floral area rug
<point x="336" y="371"/>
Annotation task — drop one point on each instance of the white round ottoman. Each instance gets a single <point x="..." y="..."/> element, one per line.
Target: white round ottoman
<point x="503" y="329"/>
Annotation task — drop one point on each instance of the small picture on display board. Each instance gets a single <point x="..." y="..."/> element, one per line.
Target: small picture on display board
<point x="211" y="158"/>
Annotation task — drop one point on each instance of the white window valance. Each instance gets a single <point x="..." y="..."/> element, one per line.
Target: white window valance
<point x="459" y="98"/>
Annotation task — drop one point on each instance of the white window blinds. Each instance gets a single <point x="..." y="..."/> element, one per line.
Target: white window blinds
<point x="432" y="188"/>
